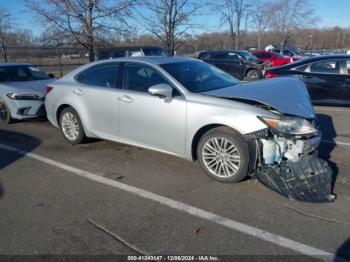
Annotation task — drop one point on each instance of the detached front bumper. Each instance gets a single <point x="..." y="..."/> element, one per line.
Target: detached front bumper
<point x="291" y="167"/>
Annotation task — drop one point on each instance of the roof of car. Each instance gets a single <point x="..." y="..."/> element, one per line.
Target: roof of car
<point x="322" y="57"/>
<point x="129" y="47"/>
<point x="225" y="50"/>
<point x="159" y="60"/>
<point x="14" y="64"/>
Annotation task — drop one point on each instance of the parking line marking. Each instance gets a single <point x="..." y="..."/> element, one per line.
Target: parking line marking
<point x="335" y="142"/>
<point x="180" y="206"/>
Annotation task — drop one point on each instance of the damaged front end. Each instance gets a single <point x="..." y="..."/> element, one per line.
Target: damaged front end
<point x="286" y="160"/>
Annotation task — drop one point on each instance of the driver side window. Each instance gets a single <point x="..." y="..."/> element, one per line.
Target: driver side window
<point x="138" y="77"/>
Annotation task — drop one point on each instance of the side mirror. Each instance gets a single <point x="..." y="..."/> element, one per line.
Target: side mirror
<point x="162" y="90"/>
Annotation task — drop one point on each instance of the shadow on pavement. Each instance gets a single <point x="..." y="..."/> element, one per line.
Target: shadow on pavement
<point x="1" y="191"/>
<point x="328" y="133"/>
<point x="343" y="251"/>
<point x="13" y="139"/>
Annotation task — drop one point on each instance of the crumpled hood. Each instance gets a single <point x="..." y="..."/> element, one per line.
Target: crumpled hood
<point x="26" y="87"/>
<point x="286" y="94"/>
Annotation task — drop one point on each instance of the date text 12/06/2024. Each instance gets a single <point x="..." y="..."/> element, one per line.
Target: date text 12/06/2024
<point x="173" y="258"/>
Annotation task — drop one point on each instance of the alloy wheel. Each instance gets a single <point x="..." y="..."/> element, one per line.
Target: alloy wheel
<point x="221" y="157"/>
<point x="70" y="126"/>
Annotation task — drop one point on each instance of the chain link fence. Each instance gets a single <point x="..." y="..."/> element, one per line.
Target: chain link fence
<point x="57" y="61"/>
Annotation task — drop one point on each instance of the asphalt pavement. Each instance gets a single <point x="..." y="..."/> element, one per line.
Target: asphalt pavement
<point x="105" y="198"/>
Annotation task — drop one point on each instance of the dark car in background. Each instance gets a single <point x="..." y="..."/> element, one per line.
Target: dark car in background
<point x="326" y="77"/>
<point x="271" y="58"/>
<point x="130" y="51"/>
<point x="294" y="54"/>
<point x="240" y="64"/>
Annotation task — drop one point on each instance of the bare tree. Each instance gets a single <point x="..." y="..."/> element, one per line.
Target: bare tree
<point x="5" y="35"/>
<point x="169" y="20"/>
<point x="261" y="19"/>
<point x="234" y="13"/>
<point x="289" y="15"/>
<point x="86" y="21"/>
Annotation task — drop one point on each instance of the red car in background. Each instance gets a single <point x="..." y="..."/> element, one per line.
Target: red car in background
<point x="272" y="58"/>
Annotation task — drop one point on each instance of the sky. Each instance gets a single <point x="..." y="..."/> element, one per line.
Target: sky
<point x="330" y="12"/>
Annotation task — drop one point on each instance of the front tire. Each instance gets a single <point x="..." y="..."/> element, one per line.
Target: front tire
<point x="253" y="74"/>
<point x="5" y="115"/>
<point x="223" y="155"/>
<point x="71" y="126"/>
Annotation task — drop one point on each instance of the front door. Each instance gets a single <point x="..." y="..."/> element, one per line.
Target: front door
<point x="148" y="120"/>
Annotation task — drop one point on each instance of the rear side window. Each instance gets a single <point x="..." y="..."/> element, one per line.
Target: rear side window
<point x="219" y="56"/>
<point x="118" y="53"/>
<point x="104" y="75"/>
<point x="232" y="57"/>
<point x="204" y="56"/>
<point x="326" y="67"/>
<point x="348" y="66"/>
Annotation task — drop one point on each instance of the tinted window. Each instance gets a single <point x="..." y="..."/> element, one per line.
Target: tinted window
<point x="104" y="75"/>
<point x="287" y="53"/>
<point x="232" y="57"/>
<point x="153" y="52"/>
<point x="140" y="78"/>
<point x="303" y="68"/>
<point x="348" y="66"/>
<point x="119" y="53"/>
<point x="327" y="67"/>
<point x="204" y="56"/>
<point x="135" y="52"/>
<point x="248" y="56"/>
<point x="199" y="77"/>
<point x="21" y="73"/>
<point x="219" y="56"/>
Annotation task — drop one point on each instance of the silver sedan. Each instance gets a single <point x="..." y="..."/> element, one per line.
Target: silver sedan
<point x="187" y="108"/>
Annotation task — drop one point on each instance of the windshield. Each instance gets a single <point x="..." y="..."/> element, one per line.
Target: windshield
<point x="199" y="77"/>
<point x="21" y="73"/>
<point x="154" y="52"/>
<point x="248" y="56"/>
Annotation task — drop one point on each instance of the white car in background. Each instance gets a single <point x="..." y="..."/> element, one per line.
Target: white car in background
<point x="22" y="91"/>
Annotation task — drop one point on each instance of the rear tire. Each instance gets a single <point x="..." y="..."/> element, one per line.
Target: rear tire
<point x="71" y="126"/>
<point x="5" y="115"/>
<point x="223" y="155"/>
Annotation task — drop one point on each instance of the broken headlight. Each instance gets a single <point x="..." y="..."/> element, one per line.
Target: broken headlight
<point x="290" y="125"/>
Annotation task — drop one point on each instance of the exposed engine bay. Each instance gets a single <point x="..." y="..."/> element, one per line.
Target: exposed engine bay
<point x="284" y="155"/>
<point x="289" y="165"/>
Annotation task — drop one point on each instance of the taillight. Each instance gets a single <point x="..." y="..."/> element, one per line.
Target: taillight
<point x="48" y="89"/>
<point x="269" y="74"/>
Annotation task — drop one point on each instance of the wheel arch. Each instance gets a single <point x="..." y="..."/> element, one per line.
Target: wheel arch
<point x="200" y="132"/>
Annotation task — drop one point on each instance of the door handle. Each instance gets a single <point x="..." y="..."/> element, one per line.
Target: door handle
<point x="77" y="92"/>
<point x="126" y="99"/>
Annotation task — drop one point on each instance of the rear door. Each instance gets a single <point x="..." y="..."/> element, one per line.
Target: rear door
<point x="346" y="95"/>
<point x="97" y="92"/>
<point x="326" y="81"/>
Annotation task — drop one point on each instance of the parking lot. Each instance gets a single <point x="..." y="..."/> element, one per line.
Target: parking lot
<point x="107" y="198"/>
